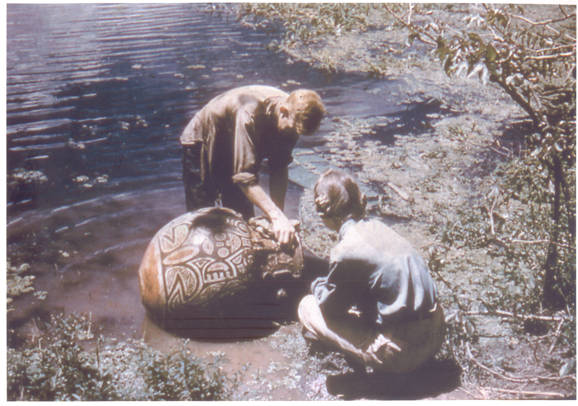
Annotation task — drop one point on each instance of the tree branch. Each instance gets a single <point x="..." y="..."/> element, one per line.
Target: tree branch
<point x="520" y="100"/>
<point x="546" y="57"/>
<point x="412" y="27"/>
<point x="532" y="242"/>
<point x="556" y="335"/>
<point x="547" y="22"/>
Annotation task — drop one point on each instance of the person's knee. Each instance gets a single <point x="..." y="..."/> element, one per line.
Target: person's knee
<point x="306" y="306"/>
<point x="310" y="318"/>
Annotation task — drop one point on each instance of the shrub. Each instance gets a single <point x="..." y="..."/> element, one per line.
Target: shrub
<point x="57" y="368"/>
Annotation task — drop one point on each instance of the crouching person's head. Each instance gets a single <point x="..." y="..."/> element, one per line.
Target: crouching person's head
<point x="338" y="198"/>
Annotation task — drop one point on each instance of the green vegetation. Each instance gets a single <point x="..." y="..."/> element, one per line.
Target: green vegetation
<point x="306" y="23"/>
<point x="58" y="368"/>
<point x="20" y="281"/>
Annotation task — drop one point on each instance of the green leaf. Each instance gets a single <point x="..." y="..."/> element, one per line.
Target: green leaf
<point x="441" y="43"/>
<point x="474" y="37"/>
<point x="448" y="64"/>
<point x="491" y="53"/>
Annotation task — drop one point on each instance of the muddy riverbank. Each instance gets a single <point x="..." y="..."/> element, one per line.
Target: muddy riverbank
<point x="433" y="170"/>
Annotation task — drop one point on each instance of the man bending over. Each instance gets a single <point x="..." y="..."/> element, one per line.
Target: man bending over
<point x="227" y="140"/>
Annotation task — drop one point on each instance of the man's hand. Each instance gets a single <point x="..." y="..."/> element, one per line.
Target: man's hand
<point x="284" y="231"/>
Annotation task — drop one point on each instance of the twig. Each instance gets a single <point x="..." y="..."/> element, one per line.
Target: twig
<point x="473" y="396"/>
<point x="497" y="151"/>
<point x="485" y="368"/>
<point x="505" y="243"/>
<point x="556" y="335"/>
<point x="530" y="242"/>
<point x="516" y="379"/>
<point x="528" y="393"/>
<point x="558" y="48"/>
<point x="546" y="57"/>
<point x="411" y="6"/>
<point x="516" y="241"/>
<point x="413" y="28"/>
<point x="515" y="316"/>
<point x="491" y="214"/>
<point x="400" y="192"/>
<point x="546" y="22"/>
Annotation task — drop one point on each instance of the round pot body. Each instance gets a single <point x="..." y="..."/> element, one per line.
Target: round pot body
<point x="205" y="272"/>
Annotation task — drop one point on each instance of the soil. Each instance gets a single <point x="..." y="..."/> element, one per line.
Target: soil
<point x="417" y="170"/>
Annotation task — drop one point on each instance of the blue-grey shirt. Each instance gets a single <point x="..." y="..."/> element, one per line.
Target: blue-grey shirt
<point x="377" y="270"/>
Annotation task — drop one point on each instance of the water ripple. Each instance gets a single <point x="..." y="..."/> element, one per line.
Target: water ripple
<point x="92" y="83"/>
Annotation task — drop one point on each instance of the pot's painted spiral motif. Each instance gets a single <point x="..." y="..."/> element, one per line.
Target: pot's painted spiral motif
<point x="194" y="258"/>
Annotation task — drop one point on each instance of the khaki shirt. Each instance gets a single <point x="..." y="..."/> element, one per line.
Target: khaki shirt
<point x="238" y="129"/>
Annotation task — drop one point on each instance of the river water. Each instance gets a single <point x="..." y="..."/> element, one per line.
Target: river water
<point x="97" y="95"/>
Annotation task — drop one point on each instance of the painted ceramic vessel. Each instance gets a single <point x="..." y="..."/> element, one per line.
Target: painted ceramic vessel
<point x="211" y="265"/>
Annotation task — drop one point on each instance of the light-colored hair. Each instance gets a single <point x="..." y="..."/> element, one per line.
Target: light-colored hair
<point x="338" y="195"/>
<point x="308" y="109"/>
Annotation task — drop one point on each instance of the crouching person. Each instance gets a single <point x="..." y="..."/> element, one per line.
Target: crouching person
<point x="378" y="303"/>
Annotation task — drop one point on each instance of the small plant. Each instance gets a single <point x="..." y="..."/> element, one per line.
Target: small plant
<point x="19" y="282"/>
<point x="181" y="376"/>
<point x="58" y="368"/>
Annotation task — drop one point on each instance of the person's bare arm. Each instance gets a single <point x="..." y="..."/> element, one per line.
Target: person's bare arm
<point x="315" y="322"/>
<point x="278" y="185"/>
<point x="282" y="227"/>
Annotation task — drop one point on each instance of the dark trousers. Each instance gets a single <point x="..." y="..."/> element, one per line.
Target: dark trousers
<point x="202" y="190"/>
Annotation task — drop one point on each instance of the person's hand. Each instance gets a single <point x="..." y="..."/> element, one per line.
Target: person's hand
<point x="354" y="311"/>
<point x="284" y="231"/>
<point x="370" y="358"/>
<point x="382" y="343"/>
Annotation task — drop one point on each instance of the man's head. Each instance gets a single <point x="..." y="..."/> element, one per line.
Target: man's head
<point x="338" y="198"/>
<point x="302" y="112"/>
